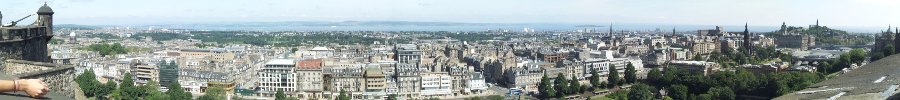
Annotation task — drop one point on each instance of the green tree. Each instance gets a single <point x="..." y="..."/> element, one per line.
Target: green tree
<point x="88" y="83"/>
<point x="641" y="92"/>
<point x="562" y="85"/>
<point x="343" y="95"/>
<point x="858" y="55"/>
<point x="745" y="81"/>
<point x="495" y="97"/>
<point x="546" y="87"/>
<point x="721" y="93"/>
<point x="279" y="95"/>
<point x="619" y="95"/>
<point x="613" y="77"/>
<point x="156" y="95"/>
<point x="177" y="93"/>
<point x="575" y="86"/>
<point x="704" y="97"/>
<point x="678" y="92"/>
<point x="889" y="50"/>
<point x="392" y="97"/>
<point x="294" y="50"/>
<point x="104" y="90"/>
<point x="127" y="90"/>
<point x="654" y="77"/>
<point x="215" y="93"/>
<point x="630" y="76"/>
<point x="667" y="98"/>
<point x="595" y="79"/>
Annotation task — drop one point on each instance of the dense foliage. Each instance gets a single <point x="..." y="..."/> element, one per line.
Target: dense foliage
<point x="214" y="93"/>
<point x="613" y="77"/>
<point x="855" y="56"/>
<point x="630" y="75"/>
<point x="726" y="85"/>
<point x="128" y="91"/>
<point x="107" y="49"/>
<point x="343" y="95"/>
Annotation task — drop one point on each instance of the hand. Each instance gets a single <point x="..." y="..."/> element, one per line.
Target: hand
<point x="33" y="87"/>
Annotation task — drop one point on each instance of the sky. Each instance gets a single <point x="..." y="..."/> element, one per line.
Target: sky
<point x="868" y="13"/>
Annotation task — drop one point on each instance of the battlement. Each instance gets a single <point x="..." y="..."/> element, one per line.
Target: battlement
<point x="29" y="41"/>
<point x="16" y="34"/>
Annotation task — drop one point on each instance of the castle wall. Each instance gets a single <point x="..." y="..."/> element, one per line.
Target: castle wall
<point x="24" y="44"/>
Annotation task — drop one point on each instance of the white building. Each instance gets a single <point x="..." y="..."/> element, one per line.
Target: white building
<point x="277" y="74"/>
<point x="476" y="83"/>
<point x="436" y="84"/>
<point x="602" y="65"/>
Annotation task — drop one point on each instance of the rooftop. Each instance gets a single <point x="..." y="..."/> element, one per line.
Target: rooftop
<point x="310" y="64"/>
<point x="280" y="62"/>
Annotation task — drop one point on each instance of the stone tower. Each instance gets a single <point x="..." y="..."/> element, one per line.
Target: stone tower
<point x="45" y="18"/>
<point x="747" y="41"/>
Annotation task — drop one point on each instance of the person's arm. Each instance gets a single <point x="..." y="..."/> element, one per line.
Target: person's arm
<point x="33" y="87"/>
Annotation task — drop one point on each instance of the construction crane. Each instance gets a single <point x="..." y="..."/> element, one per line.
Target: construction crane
<point x="13" y="23"/>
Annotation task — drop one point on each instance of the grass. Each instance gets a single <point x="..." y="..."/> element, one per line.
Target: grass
<point x="601" y="98"/>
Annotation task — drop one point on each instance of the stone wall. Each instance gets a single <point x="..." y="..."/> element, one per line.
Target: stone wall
<point x="33" y="49"/>
<point x="24" y="43"/>
<point x="60" y="78"/>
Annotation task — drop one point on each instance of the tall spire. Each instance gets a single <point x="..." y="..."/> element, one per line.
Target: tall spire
<point x="747" y="41"/>
<point x="745" y="27"/>
<point x="817" y="22"/>
<point x="610" y="30"/>
<point x="673" y="31"/>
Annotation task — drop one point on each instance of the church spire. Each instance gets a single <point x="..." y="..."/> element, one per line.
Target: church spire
<point x="610" y="30"/>
<point x="673" y="31"/>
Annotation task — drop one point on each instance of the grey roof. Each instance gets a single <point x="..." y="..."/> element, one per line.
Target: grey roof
<point x="45" y="10"/>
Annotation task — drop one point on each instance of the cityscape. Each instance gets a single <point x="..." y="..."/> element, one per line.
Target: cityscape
<point x="484" y="52"/>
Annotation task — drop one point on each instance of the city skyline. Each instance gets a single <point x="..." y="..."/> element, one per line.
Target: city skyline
<point x="857" y="13"/>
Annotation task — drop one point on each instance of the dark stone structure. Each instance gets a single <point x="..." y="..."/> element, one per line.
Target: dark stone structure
<point x="24" y="55"/>
<point x="28" y="42"/>
<point x="747" y="42"/>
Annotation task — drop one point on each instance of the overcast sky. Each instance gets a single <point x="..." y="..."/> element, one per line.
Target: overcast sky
<point x="878" y="13"/>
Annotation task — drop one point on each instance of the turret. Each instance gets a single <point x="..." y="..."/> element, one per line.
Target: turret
<point x="45" y="18"/>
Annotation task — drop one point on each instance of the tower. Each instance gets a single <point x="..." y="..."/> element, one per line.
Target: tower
<point x="45" y="18"/>
<point x="817" y="22"/>
<point x="673" y="31"/>
<point x="610" y="30"/>
<point x="783" y="28"/>
<point x="747" y="41"/>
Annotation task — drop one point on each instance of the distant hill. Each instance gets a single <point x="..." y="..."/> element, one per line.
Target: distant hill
<point x="74" y="26"/>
